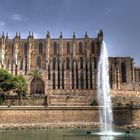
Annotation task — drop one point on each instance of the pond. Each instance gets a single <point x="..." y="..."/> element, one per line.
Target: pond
<point x="62" y="134"/>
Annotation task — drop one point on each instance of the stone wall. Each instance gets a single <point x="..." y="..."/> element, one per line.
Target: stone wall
<point x="75" y="98"/>
<point x="25" y="115"/>
<point x="25" y="101"/>
<point x="71" y="97"/>
<point x="136" y="116"/>
<point x="16" y="115"/>
<point x="122" y="115"/>
<point x="126" y="98"/>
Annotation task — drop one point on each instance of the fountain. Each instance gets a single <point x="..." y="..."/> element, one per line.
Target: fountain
<point x="104" y="98"/>
<point x="103" y="91"/>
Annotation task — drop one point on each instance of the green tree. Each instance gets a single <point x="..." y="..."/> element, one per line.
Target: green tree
<point x="10" y="82"/>
<point x="35" y="75"/>
<point x="20" y="85"/>
<point x="6" y="80"/>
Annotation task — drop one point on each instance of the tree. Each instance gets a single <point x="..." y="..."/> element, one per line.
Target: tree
<point x="35" y="75"/>
<point x="19" y="85"/>
<point x="10" y="82"/>
<point x="6" y="80"/>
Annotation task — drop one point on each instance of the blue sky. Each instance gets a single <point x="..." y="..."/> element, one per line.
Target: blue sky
<point x="119" y="19"/>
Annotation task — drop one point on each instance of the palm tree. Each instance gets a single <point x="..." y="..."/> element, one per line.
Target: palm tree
<point x="35" y="75"/>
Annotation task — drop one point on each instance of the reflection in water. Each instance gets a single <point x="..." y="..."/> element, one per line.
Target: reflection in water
<point x="62" y="134"/>
<point x="117" y="138"/>
<point x="106" y="138"/>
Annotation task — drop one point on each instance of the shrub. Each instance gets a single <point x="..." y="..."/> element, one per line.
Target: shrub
<point x="94" y="103"/>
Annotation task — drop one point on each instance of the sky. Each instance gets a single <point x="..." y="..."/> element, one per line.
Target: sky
<point x="119" y="20"/>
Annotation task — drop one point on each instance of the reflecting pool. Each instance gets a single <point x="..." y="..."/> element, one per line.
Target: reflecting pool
<point x="65" y="134"/>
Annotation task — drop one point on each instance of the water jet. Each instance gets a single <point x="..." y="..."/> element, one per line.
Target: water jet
<point x="104" y="92"/>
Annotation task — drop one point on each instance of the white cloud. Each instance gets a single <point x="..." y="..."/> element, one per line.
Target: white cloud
<point x="2" y="23"/>
<point x="18" y="17"/>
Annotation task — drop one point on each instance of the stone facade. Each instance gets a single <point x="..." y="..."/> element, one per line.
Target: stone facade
<point x="67" y="64"/>
<point x="123" y="74"/>
<point x="137" y="74"/>
<point x="64" y="117"/>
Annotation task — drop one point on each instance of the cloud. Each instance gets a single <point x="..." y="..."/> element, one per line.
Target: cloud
<point x="2" y="23"/>
<point x="18" y="17"/>
<point x="108" y="11"/>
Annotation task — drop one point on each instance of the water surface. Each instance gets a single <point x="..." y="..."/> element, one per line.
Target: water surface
<point x="62" y="134"/>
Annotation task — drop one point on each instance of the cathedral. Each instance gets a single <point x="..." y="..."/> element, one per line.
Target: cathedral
<point x="66" y="64"/>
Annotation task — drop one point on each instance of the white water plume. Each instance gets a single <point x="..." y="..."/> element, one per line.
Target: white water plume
<point x="104" y="92"/>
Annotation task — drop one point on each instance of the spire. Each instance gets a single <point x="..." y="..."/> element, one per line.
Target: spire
<point x="100" y="34"/>
<point x="86" y="35"/>
<point x="7" y="36"/>
<point x="74" y="36"/>
<point x="3" y="35"/>
<point x="48" y="35"/>
<point x="16" y="34"/>
<point x="30" y="35"/>
<point x="61" y="36"/>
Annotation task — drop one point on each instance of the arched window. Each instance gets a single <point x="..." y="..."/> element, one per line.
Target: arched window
<point x="25" y="54"/>
<point x="67" y="63"/>
<point x="38" y="62"/>
<point x="53" y="80"/>
<point x="86" y="76"/>
<point x="58" y="74"/>
<point x="68" y="47"/>
<point x="80" y="47"/>
<point x="37" y="86"/>
<point x="95" y="63"/>
<point x="54" y="63"/>
<point x="40" y="48"/>
<point x="92" y="47"/>
<point x="90" y="74"/>
<point x="49" y="75"/>
<point x="8" y="63"/>
<point x="123" y="72"/>
<point x="81" y="62"/>
<point x="25" y="49"/>
<point x="21" y="64"/>
<point x="82" y="81"/>
<point x="63" y="76"/>
<point x="77" y="77"/>
<point x="110" y="77"/>
<point x="72" y="75"/>
<point x="55" y="48"/>
<point x="16" y="69"/>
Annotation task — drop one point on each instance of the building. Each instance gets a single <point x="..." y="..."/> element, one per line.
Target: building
<point x="67" y="64"/>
